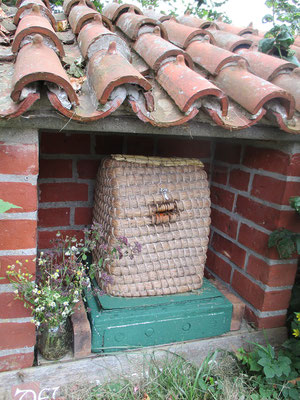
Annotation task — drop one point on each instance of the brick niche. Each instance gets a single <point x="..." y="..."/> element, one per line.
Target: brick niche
<point x="250" y="188"/>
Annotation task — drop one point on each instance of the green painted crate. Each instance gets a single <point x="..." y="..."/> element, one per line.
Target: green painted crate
<point x="125" y="323"/>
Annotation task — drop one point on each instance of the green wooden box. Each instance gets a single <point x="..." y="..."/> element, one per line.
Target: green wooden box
<point x="119" y="323"/>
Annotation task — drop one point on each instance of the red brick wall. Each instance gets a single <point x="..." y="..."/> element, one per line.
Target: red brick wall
<point x="250" y="188"/>
<point x="18" y="186"/>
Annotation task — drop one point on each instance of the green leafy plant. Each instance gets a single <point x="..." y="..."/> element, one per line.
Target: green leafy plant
<point x="285" y="241"/>
<point x="273" y="371"/>
<point x="63" y="274"/>
<point x="285" y="18"/>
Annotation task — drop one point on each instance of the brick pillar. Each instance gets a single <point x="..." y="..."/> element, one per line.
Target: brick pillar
<point x="18" y="223"/>
<point x="250" y="191"/>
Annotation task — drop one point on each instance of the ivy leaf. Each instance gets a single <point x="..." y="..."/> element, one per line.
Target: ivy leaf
<point x="266" y="44"/>
<point x="295" y="203"/>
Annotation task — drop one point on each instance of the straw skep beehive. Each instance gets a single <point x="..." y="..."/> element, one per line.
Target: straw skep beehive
<point x="164" y="204"/>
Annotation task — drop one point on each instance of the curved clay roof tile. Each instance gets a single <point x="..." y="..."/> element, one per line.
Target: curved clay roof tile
<point x="186" y="86"/>
<point x="37" y="62"/>
<point x="35" y="23"/>
<point x="46" y="2"/>
<point x="265" y="66"/>
<point x="154" y="50"/>
<point x="229" y="41"/>
<point x="106" y="71"/>
<point x="130" y="23"/>
<point x="26" y="8"/>
<point x="113" y="10"/>
<point x="250" y="91"/>
<point x="80" y="14"/>
<point x="181" y="35"/>
<point x="68" y="4"/>
<point x="195" y="22"/>
<point x="210" y="57"/>
<point x="92" y="33"/>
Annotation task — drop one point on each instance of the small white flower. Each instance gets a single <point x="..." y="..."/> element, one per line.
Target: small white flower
<point x="74" y="248"/>
<point x="65" y="303"/>
<point x="76" y="292"/>
<point x="16" y="291"/>
<point x="52" y="304"/>
<point x="56" y="296"/>
<point x="37" y="323"/>
<point x="75" y="300"/>
<point x="67" y="253"/>
<point x="36" y="300"/>
<point x="58" y="234"/>
<point x="35" y="290"/>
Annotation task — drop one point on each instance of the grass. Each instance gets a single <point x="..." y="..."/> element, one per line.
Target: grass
<point x="219" y="377"/>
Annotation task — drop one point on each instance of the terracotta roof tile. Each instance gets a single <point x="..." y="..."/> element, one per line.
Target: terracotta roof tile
<point x="114" y="10"/>
<point x="182" y="35"/>
<point x="79" y="14"/>
<point x="229" y="41"/>
<point x="33" y="23"/>
<point x="94" y="37"/>
<point x="168" y="70"/>
<point x="26" y="7"/>
<point x="155" y="50"/>
<point x="191" y="20"/>
<point x="210" y="57"/>
<point x="68" y="4"/>
<point x="42" y="64"/>
<point x="130" y="23"/>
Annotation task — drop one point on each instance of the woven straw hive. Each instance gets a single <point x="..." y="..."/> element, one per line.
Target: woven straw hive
<point x="164" y="204"/>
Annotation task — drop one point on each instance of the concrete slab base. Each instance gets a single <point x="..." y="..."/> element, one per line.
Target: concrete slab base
<point x="98" y="369"/>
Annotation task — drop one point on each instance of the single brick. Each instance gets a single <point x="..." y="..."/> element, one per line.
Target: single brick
<point x="23" y="195"/>
<point x="16" y="335"/>
<point x="221" y="197"/>
<point x="109" y="144"/>
<point x="55" y="168"/>
<point x="276" y="300"/>
<point x="45" y="237"/>
<point x="269" y="189"/>
<point x="220" y="174"/>
<point x="19" y="159"/>
<point x="27" y="266"/>
<point x="275" y="321"/>
<point x="228" y="153"/>
<point x="87" y="169"/>
<point x="229" y="249"/>
<point x="262" y="215"/>
<point x="224" y="223"/>
<point x="16" y="361"/>
<point x="17" y="234"/>
<point x="69" y="191"/>
<point x="256" y="240"/>
<point x="274" y="190"/>
<point x="83" y="215"/>
<point x="248" y="290"/>
<point x="218" y="266"/>
<point x="62" y="143"/>
<point x="173" y="147"/>
<point x="54" y="217"/>
<point x="271" y="275"/>
<point x="140" y="145"/>
<point x="11" y="308"/>
<point x="239" y="179"/>
<point x="266" y="159"/>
